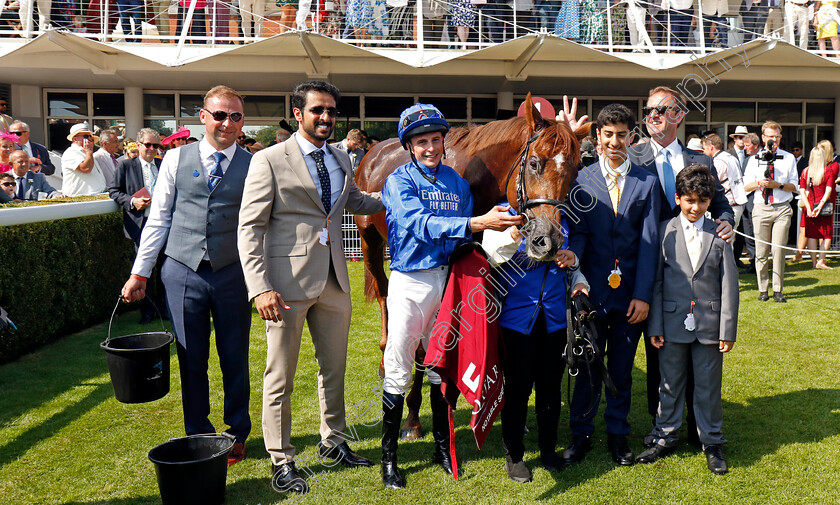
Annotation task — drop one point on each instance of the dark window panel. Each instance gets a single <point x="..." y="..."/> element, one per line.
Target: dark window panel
<point x="733" y="112"/>
<point x="454" y="108"/>
<point x="264" y="106"/>
<point x="191" y="104"/>
<point x="67" y="104"/>
<point x="386" y="106"/>
<point x="108" y="104"/>
<point x="780" y="112"/>
<point x="350" y="106"/>
<point x="158" y="105"/>
<point x="484" y="108"/>
<point x="819" y="113"/>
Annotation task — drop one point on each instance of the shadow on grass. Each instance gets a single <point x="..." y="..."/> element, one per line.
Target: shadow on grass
<point x="18" y="446"/>
<point x="49" y="372"/>
<point x="242" y="492"/>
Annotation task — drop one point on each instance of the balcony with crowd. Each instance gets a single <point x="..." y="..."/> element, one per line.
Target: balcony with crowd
<point x="675" y="26"/>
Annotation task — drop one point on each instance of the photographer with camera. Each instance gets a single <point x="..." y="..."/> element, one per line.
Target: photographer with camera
<point x="772" y="174"/>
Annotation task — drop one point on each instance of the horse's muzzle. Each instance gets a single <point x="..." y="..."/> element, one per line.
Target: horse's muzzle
<point x="543" y="240"/>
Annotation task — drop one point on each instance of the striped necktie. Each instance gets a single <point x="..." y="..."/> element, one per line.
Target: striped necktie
<point x="216" y="174"/>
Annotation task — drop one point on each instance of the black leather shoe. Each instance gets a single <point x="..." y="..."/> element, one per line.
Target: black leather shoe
<point x="780" y="298"/>
<point x="342" y="454"/>
<point x="714" y="458"/>
<point x="762" y="297"/>
<point x="285" y="478"/>
<point x="552" y="462"/>
<point x="654" y="453"/>
<point x="620" y="450"/>
<point x="577" y="450"/>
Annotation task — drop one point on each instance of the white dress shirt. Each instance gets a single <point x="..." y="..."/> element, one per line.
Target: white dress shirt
<point x="729" y="174"/>
<point x="333" y="168"/>
<point x="691" y="232"/>
<point x="621" y="172"/>
<point x="675" y="157"/>
<point x="784" y="171"/>
<point x="156" y="230"/>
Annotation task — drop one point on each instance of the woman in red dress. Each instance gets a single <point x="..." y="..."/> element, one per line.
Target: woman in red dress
<point x="816" y="187"/>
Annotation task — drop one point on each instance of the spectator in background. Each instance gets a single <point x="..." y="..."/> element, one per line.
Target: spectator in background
<point x="354" y="145"/>
<point x="105" y="156"/>
<point x="816" y="190"/>
<point x="567" y="23"/>
<point x="545" y="14"/>
<point x="81" y="174"/>
<point x="729" y="173"/>
<point x="131" y="17"/>
<point x="751" y="144"/>
<point x="177" y="139"/>
<point x="139" y="175"/>
<point x="30" y="185"/>
<point x="826" y="21"/>
<point x="773" y="191"/>
<point x="7" y="185"/>
<point x="288" y="9"/>
<point x="796" y="19"/>
<point x="37" y="153"/>
<point x="7" y="147"/>
<point x="131" y="150"/>
<point x="252" y="11"/>
<point x="255" y="146"/>
<point x="5" y="119"/>
<point x="198" y="26"/>
<point x="282" y="135"/>
<point x="241" y="139"/>
<point x="463" y="18"/>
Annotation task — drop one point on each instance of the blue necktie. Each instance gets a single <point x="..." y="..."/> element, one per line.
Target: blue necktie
<point x="323" y="178"/>
<point x="668" y="176"/>
<point x="216" y="174"/>
<point x="21" y="193"/>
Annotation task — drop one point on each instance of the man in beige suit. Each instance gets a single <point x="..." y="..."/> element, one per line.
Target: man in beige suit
<point x="291" y="249"/>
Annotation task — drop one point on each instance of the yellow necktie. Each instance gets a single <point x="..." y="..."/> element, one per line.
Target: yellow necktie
<point x="615" y="193"/>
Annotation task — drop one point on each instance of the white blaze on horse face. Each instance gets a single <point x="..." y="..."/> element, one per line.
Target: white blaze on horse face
<point x="558" y="160"/>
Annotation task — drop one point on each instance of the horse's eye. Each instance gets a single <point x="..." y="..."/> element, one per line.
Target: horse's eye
<point x="534" y="164"/>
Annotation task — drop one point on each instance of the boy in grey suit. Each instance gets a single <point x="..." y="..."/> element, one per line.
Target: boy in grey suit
<point x="693" y="319"/>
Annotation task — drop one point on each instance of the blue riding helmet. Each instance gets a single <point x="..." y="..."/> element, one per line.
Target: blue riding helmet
<point x="420" y="118"/>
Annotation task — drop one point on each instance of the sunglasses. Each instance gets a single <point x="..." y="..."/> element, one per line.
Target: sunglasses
<point x="241" y="137"/>
<point x="87" y="136"/>
<point x="149" y="145"/>
<point x="319" y="111"/>
<point x="660" y="109"/>
<point x="18" y="133"/>
<point x="220" y="115"/>
<point x="420" y="114"/>
<point x="7" y="184"/>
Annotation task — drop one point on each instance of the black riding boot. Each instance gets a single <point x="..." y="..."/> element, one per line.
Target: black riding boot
<point x="392" y="410"/>
<point x="440" y="429"/>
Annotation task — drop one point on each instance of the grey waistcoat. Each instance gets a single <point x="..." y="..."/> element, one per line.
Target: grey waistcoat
<point x="205" y="222"/>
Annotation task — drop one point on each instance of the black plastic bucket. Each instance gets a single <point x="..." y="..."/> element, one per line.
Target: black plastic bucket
<point x="192" y="470"/>
<point x="138" y="364"/>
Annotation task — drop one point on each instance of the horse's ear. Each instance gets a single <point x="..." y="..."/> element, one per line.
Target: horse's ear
<point x="583" y="130"/>
<point x="533" y="116"/>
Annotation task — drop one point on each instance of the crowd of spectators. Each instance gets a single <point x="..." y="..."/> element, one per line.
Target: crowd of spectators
<point x="676" y="24"/>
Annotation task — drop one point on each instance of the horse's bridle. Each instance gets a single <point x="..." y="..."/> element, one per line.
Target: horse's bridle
<point x="522" y="201"/>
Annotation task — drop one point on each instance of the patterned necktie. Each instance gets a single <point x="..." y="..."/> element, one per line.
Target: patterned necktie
<point x="615" y="192"/>
<point x="20" y="192"/>
<point x="694" y="244"/>
<point x="323" y="178"/>
<point x="668" y="179"/>
<point x="216" y="174"/>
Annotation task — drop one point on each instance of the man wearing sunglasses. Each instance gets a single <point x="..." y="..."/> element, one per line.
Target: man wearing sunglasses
<point x="291" y="249"/>
<point x="132" y="189"/>
<point x="81" y="174"/>
<point x="665" y="156"/>
<point x="192" y="221"/>
<point x="36" y="151"/>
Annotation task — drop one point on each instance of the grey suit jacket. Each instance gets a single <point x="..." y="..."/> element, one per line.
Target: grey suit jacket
<point x="713" y="286"/>
<point x="280" y="221"/>
<point x="109" y="170"/>
<point x="35" y="184"/>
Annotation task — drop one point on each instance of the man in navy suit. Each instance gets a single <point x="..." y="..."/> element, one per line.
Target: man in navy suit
<point x="664" y="156"/>
<point x="37" y="153"/>
<point x="615" y="235"/>
<point x="133" y="175"/>
<point x="29" y="185"/>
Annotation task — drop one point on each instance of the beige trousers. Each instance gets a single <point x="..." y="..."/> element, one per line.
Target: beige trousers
<point x="328" y="317"/>
<point x="771" y="223"/>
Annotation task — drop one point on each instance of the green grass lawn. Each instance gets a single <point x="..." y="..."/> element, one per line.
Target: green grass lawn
<point x="64" y="439"/>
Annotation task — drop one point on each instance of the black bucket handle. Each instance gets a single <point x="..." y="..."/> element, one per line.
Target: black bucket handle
<point x="223" y="434"/>
<point x="114" y="313"/>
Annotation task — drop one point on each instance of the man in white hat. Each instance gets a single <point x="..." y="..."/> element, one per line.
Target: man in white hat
<point x="81" y="175"/>
<point x="738" y="149"/>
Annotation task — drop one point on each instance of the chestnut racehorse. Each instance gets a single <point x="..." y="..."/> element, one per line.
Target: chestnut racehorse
<point x="528" y="161"/>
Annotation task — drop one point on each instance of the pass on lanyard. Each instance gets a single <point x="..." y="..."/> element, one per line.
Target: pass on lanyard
<point x="689" y="319"/>
<point x="324" y="236"/>
<point x="615" y="276"/>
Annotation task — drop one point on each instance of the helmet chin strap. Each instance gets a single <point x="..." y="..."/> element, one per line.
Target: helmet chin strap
<point x="426" y="176"/>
